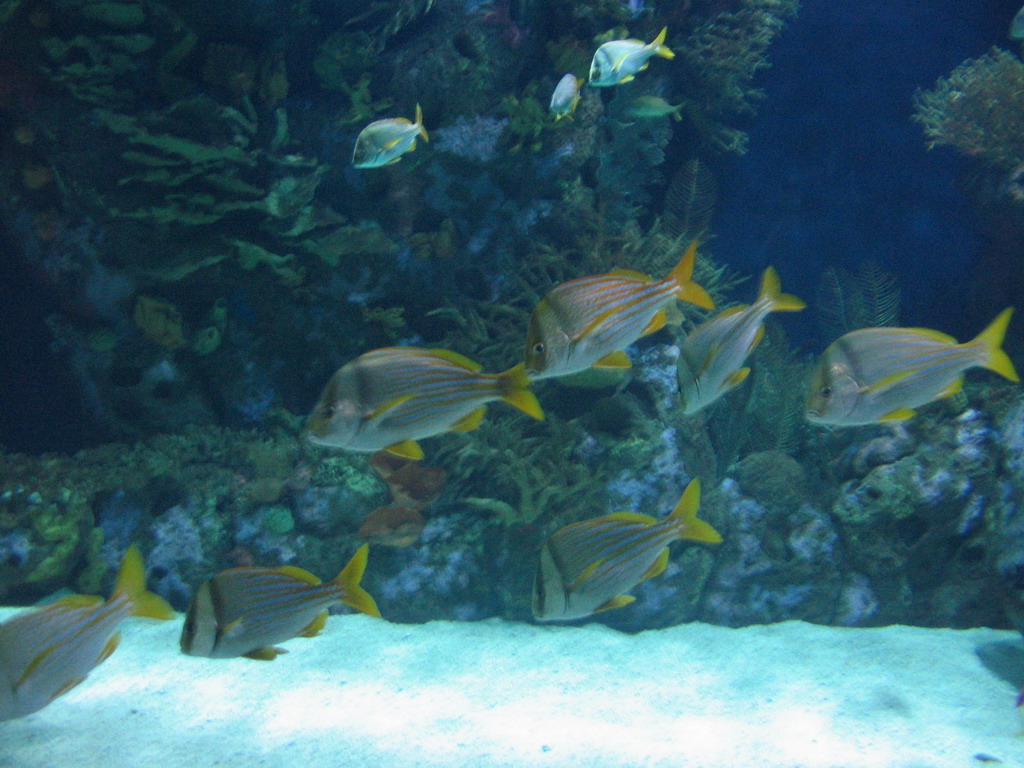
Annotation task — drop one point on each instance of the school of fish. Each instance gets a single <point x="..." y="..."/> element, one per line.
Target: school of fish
<point x="389" y="399"/>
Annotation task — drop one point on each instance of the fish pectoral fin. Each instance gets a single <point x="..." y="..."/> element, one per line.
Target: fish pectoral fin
<point x="656" y="324"/>
<point x="231" y="628"/>
<point x="883" y="384"/>
<point x="737" y="378"/>
<point x="954" y="387"/>
<point x="471" y="420"/>
<point x="585" y="574"/>
<point x="109" y="648"/>
<point x="407" y="449"/>
<point x="758" y="336"/>
<point x="615" y="602"/>
<point x="315" y="627"/>
<point x="657" y="567"/>
<point x="388" y="406"/>
<point x="614" y="360"/>
<point x="393" y="143"/>
<point x="900" y="414"/>
<point x="265" y="654"/>
<point x="32" y="666"/>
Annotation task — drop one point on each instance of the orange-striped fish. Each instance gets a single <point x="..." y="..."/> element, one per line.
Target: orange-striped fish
<point x="46" y="652"/>
<point x="390" y="398"/>
<point x="590" y="321"/>
<point x="589" y="566"/>
<point x="244" y="611"/>
<point x="712" y="356"/>
<point x="883" y="374"/>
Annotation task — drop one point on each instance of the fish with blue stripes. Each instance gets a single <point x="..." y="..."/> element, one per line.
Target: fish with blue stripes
<point x="389" y="398"/>
<point x="383" y="142"/>
<point x="619" y="61"/>
<point x="588" y="567"/>
<point x="245" y="611"/>
<point x="884" y="374"/>
<point x="46" y="652"/>
<point x="591" y="320"/>
<point x="712" y="356"/>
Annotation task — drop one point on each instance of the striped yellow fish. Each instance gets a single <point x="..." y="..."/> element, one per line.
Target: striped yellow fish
<point x="711" y="358"/>
<point x="383" y="142"/>
<point x="46" y="652"/>
<point x="390" y="398"/>
<point x="589" y="566"/>
<point x="244" y="611"/>
<point x="883" y="374"/>
<point x="618" y="61"/>
<point x="590" y="321"/>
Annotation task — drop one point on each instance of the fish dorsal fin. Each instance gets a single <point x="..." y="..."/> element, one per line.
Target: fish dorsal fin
<point x="407" y="449"/>
<point x="315" y="627"/>
<point x="298" y="573"/>
<point x="632" y="273"/>
<point x="585" y="574"/>
<point x="264" y="654"/>
<point x="109" y="648"/>
<point x="460" y="360"/>
<point x="615" y="602"/>
<point x="656" y="324"/>
<point x="953" y="388"/>
<point x="471" y="420"/>
<point x="632" y="517"/>
<point x="883" y="384"/>
<point x="900" y="414"/>
<point x="389" y="406"/>
<point x="931" y="333"/>
<point x="657" y="567"/>
<point x="78" y="601"/>
<point x="614" y="360"/>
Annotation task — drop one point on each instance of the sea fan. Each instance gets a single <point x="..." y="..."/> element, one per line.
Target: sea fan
<point x="847" y="301"/>
<point x="690" y="201"/>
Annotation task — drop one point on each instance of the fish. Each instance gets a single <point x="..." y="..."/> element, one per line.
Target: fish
<point x="618" y="61"/>
<point x="565" y="96"/>
<point x="245" y="611"/>
<point x="1017" y="26"/>
<point x="591" y="320"/>
<point x="883" y="374"/>
<point x="588" y="567"/>
<point x="711" y="357"/>
<point x="383" y="142"/>
<point x="651" y="107"/>
<point x="46" y="652"/>
<point x="389" y="398"/>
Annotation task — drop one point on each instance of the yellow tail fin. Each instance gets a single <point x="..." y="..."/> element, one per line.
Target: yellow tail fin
<point x="689" y="290"/>
<point x="660" y="49"/>
<point x="131" y="581"/>
<point x="685" y="514"/>
<point x="771" y="288"/>
<point x="351" y="593"/>
<point x="419" y="122"/>
<point x="514" y="385"/>
<point x="992" y="339"/>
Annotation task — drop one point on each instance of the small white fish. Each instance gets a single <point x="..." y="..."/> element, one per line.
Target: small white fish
<point x="1017" y="26"/>
<point x="383" y="142"/>
<point x="711" y="358"/>
<point x="618" y="61"/>
<point x="566" y="96"/>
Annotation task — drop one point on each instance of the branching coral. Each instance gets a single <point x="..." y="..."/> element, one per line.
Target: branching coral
<point x="979" y="109"/>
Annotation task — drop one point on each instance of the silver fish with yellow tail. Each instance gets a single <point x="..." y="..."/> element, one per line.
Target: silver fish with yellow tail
<point x="588" y="567"/>
<point x="883" y="374"/>
<point x="712" y="356"/>
<point x="591" y="320"/>
<point x="383" y="142"/>
<point x="389" y="398"/>
<point x="565" y="96"/>
<point x="653" y="107"/>
<point x="618" y="61"/>
<point x="46" y="652"/>
<point x="245" y="611"/>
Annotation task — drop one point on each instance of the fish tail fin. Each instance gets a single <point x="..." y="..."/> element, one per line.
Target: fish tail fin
<point x="992" y="341"/>
<point x="352" y="594"/>
<point x="685" y="516"/>
<point x="687" y="289"/>
<point x="419" y="123"/>
<point x="660" y="49"/>
<point x="771" y="290"/>
<point x="131" y="582"/>
<point x="514" y="386"/>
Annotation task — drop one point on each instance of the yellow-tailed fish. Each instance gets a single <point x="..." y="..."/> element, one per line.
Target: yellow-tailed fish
<point x="618" y="61"/>
<point x="589" y="566"/>
<point x="883" y="374"/>
<point x="590" y="321"/>
<point x="712" y="356"/>
<point x="565" y="96"/>
<point x="1017" y="26"/>
<point x="245" y="611"/>
<point x="46" y="652"/>
<point x="651" y="107"/>
<point x="383" y="142"/>
<point x="390" y="398"/>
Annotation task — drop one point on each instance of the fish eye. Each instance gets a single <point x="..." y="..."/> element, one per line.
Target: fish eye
<point x="329" y="411"/>
<point x="825" y="391"/>
<point x="538" y="348"/>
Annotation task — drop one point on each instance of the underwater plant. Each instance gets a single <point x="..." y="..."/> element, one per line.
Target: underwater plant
<point x="846" y="301"/>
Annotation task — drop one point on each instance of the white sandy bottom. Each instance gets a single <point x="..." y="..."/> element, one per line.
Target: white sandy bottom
<point x="485" y="694"/>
